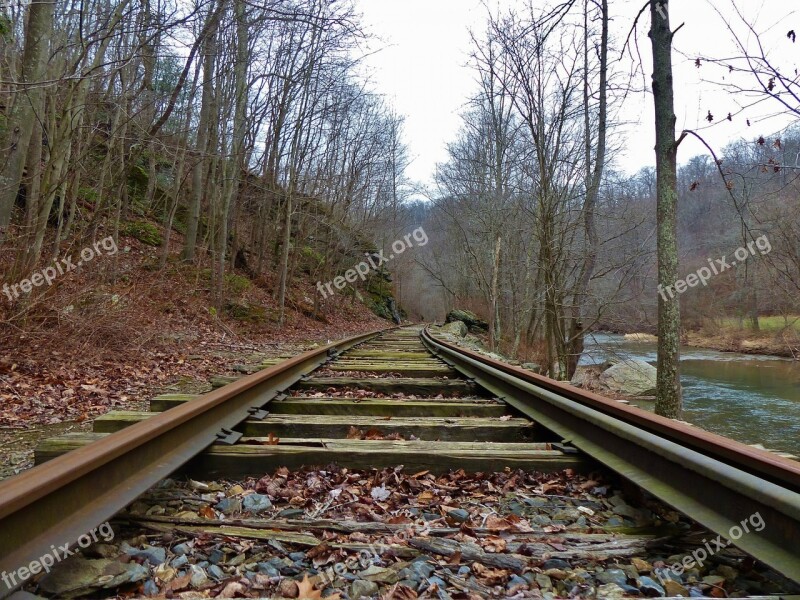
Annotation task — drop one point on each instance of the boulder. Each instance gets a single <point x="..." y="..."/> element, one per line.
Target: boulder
<point x="457" y="328"/>
<point x="470" y="319"/>
<point x="632" y="377"/>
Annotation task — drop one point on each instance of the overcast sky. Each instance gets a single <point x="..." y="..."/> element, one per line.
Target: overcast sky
<point x="419" y="62"/>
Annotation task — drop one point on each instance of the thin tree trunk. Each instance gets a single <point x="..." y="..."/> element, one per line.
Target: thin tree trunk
<point x="21" y="118"/>
<point x="668" y="385"/>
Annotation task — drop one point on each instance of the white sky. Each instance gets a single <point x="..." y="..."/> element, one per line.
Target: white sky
<point x="420" y="65"/>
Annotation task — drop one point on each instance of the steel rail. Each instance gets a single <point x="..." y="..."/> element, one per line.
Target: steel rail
<point x="717" y="494"/>
<point x="59" y="501"/>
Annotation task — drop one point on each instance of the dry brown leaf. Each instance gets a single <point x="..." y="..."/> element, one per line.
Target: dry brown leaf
<point x="489" y="576"/>
<point x="207" y="512"/>
<point x="493" y="544"/>
<point x="307" y="591"/>
<point x="272" y="440"/>
<point x="399" y="592"/>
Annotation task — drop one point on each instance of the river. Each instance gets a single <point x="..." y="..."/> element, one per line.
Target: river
<point x="752" y="399"/>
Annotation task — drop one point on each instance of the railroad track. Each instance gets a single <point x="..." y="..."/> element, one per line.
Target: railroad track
<point x="403" y="397"/>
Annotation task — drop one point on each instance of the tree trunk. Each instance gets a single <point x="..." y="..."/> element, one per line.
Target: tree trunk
<point x="21" y="117"/>
<point x="668" y="386"/>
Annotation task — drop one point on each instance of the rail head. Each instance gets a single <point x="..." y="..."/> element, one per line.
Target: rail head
<point x="777" y="469"/>
<point x="712" y="484"/>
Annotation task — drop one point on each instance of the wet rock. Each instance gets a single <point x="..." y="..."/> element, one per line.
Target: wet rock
<point x="77" y="576"/>
<point x="216" y="556"/>
<point x="291" y="513"/>
<point x="256" y="503"/>
<point x="649" y="587"/>
<point x="362" y="588"/>
<point x="181" y="549"/>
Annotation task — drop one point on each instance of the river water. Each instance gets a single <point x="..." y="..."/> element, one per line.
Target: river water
<point x="752" y="399"/>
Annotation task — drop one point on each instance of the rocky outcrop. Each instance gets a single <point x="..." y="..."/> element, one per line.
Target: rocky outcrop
<point x="470" y="319"/>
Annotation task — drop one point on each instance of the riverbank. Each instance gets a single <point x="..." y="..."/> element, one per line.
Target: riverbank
<point x="784" y="344"/>
<point x="774" y="338"/>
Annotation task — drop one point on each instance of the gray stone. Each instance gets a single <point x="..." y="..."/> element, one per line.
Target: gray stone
<point x="150" y="588"/>
<point x="459" y="515"/>
<point x="515" y="581"/>
<point x="77" y="576"/>
<point x="361" y="588"/>
<point x="230" y="506"/>
<point x="198" y="576"/>
<point x="617" y="576"/>
<point x="179" y="561"/>
<point x="541" y="520"/>
<point x="290" y="513"/>
<point x="181" y="549"/>
<point x="610" y="591"/>
<point x="409" y="583"/>
<point x="421" y="570"/>
<point x="470" y="319"/>
<point x="633" y="377"/>
<point x="216" y="572"/>
<point x="457" y="328"/>
<point x="536" y="368"/>
<point x="256" y="503"/>
<point x="155" y="556"/>
<point x="543" y="581"/>
<point x="268" y="569"/>
<point x="556" y="563"/>
<point x="649" y="587"/>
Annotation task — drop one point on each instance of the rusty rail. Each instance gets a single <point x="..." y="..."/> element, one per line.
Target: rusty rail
<point x="59" y="501"/>
<point x="714" y="480"/>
